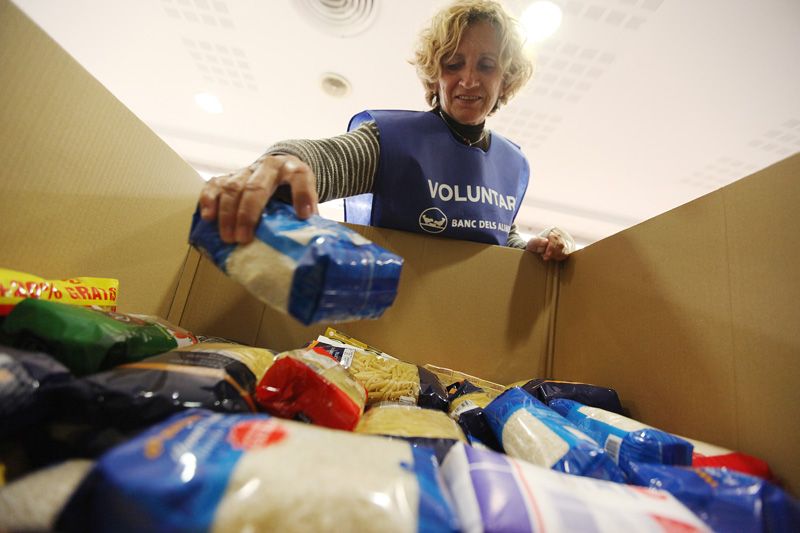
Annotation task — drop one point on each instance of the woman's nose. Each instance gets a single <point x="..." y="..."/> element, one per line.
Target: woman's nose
<point x="469" y="79"/>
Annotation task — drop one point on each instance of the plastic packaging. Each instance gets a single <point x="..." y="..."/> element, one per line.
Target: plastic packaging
<point x="216" y="376"/>
<point x="203" y="471"/>
<point x="709" y="455"/>
<point x="419" y="426"/>
<point x="386" y="378"/>
<point x="593" y="395"/>
<point x="27" y="380"/>
<point x="310" y="385"/>
<point x="89" y="292"/>
<point x="529" y="430"/>
<point x="725" y="500"/>
<point x="467" y="403"/>
<point x="86" y="340"/>
<point x="315" y="270"/>
<point x="498" y="494"/>
<point x="625" y="439"/>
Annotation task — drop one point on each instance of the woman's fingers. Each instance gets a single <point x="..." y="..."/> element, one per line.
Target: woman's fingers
<point x="228" y="205"/>
<point x="209" y="197"/>
<point x="300" y="179"/>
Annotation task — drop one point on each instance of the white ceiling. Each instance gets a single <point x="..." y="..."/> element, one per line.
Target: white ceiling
<point x="636" y="106"/>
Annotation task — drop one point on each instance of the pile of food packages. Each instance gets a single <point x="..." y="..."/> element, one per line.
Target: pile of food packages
<point x="121" y="422"/>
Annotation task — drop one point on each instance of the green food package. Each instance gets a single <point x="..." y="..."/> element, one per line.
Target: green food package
<point x="87" y="340"/>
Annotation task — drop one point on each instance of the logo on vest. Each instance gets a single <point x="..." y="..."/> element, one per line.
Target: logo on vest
<point x="433" y="220"/>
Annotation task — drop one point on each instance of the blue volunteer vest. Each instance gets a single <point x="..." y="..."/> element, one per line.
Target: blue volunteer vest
<point x="428" y="182"/>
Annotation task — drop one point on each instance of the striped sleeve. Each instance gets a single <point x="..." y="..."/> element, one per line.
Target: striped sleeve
<point x="514" y="239"/>
<point x="344" y="165"/>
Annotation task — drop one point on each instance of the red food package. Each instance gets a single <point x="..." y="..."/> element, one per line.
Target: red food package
<point x="708" y="455"/>
<point x="310" y="385"/>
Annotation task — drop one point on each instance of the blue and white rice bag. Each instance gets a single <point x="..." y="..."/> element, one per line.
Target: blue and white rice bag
<point x="203" y="471"/>
<point x="726" y="500"/>
<point x="494" y="493"/>
<point x="527" y="429"/>
<point x="625" y="439"/>
<point x="315" y="270"/>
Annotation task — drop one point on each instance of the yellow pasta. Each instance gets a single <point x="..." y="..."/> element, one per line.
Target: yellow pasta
<point x="400" y="420"/>
<point x="385" y="379"/>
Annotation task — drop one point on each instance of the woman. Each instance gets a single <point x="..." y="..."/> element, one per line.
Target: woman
<point x="438" y="172"/>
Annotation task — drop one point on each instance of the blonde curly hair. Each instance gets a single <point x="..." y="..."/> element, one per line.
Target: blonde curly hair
<point x="441" y="39"/>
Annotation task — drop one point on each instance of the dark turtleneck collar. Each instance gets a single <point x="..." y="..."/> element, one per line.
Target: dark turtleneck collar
<point x="464" y="132"/>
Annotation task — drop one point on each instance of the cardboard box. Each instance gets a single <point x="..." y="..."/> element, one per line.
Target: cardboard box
<point x="691" y="316"/>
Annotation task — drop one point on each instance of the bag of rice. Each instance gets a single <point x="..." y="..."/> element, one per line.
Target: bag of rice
<point x="467" y="403"/>
<point x="529" y="430"/>
<point x="495" y="493"/>
<point x="387" y="379"/>
<point x="705" y="454"/>
<point x="310" y="385"/>
<point x="203" y="471"/>
<point x="593" y="395"/>
<point x="89" y="292"/>
<point x="33" y="502"/>
<point x="625" y="439"/>
<point x="725" y="500"/>
<point x="419" y="426"/>
<point x="217" y="376"/>
<point x="315" y="270"/>
<point x="87" y="340"/>
<point x="27" y="380"/>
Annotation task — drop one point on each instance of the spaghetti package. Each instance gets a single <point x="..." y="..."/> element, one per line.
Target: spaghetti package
<point x="202" y="471"/>
<point x="16" y="286"/>
<point x="216" y="376"/>
<point x="315" y="270"/>
<point x="529" y="430"/>
<point x="387" y="379"/>
<point x="494" y="493"/>
<point x="626" y="440"/>
<point x="592" y="395"/>
<point x="727" y="501"/>
<point x="310" y="385"/>
<point x="27" y="380"/>
<point x="87" y="340"/>
<point x="467" y="403"/>
<point x="422" y="427"/>
<point x="709" y="455"/>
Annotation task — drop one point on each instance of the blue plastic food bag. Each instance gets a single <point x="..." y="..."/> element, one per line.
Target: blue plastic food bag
<point x="202" y="471"/>
<point x="315" y="270"/>
<point x="727" y="501"/>
<point x="527" y="429"/>
<point x="625" y="439"/>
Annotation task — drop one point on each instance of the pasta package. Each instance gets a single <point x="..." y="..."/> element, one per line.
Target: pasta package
<point x="494" y="493"/>
<point x="625" y="439"/>
<point x="87" y="340"/>
<point x="315" y="270"/>
<point x="89" y="292"/>
<point x="387" y="379"/>
<point x="27" y="381"/>
<point x="726" y="500"/>
<point x="216" y="376"/>
<point x="204" y="471"/>
<point x="467" y="403"/>
<point x="310" y="385"/>
<point x="592" y="395"/>
<point x="419" y="426"/>
<point x="529" y="430"/>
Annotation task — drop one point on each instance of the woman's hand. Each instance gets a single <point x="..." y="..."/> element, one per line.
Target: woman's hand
<point x="237" y="199"/>
<point x="554" y="246"/>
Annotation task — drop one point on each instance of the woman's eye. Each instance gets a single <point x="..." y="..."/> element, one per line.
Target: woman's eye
<point x="452" y="67"/>
<point x="487" y="67"/>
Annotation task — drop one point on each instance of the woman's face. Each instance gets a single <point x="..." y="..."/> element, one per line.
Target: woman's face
<point x="471" y="79"/>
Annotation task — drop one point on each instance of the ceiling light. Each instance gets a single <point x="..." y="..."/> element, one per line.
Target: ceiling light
<point x="541" y="20"/>
<point x="208" y="103"/>
<point x="335" y="85"/>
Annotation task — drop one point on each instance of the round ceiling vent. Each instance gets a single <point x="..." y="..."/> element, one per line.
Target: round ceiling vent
<point x="342" y="18"/>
